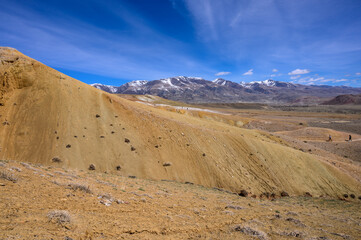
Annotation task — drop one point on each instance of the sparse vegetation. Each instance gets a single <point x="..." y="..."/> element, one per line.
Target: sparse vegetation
<point x="80" y="187"/>
<point x="59" y="216"/>
<point x="8" y="176"/>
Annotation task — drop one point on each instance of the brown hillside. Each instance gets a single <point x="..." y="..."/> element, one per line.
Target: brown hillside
<point x="345" y="99"/>
<point x="44" y="111"/>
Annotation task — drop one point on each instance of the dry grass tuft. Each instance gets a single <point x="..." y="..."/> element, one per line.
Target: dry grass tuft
<point x="8" y="176"/>
<point x="78" y="186"/>
<point x="59" y="216"/>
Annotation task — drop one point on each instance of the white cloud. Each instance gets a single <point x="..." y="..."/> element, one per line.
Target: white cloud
<point x="249" y="72"/>
<point x="274" y="70"/>
<point x="320" y="80"/>
<point x="299" y="71"/>
<point x="222" y="73"/>
<point x="358" y="74"/>
<point x="273" y="75"/>
<point x="295" y="77"/>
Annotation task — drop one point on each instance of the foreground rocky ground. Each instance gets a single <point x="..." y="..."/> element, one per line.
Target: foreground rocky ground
<point x="47" y="202"/>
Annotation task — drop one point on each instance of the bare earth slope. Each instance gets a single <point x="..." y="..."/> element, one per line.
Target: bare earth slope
<point x="106" y="206"/>
<point x="45" y="114"/>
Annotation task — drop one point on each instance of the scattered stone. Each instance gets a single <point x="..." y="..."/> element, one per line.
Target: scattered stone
<point x="203" y="154"/>
<point x="284" y="194"/>
<point x="118" y="168"/>
<point x="345" y="195"/>
<point x="250" y="231"/>
<point x="190" y="183"/>
<point x="56" y="160"/>
<point x="97" y="116"/>
<point x="126" y="140"/>
<point x="92" y="167"/>
<point x="295" y="221"/>
<point x="132" y="176"/>
<point x="57" y="138"/>
<point x="68" y="146"/>
<point x="243" y="193"/>
<point x="132" y="148"/>
<point x="76" y="136"/>
<point x="352" y="195"/>
<point x="296" y="234"/>
<point x="359" y="197"/>
<point x="236" y="207"/>
<point x="156" y="146"/>
<point x="16" y="169"/>
<point x="167" y="164"/>
<point x="112" y="132"/>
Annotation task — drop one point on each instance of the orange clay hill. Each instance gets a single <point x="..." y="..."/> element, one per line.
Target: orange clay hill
<point x="52" y="119"/>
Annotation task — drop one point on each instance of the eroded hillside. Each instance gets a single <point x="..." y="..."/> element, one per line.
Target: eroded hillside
<point x="47" y="115"/>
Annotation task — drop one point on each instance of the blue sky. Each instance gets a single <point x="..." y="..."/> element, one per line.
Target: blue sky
<point x="113" y="42"/>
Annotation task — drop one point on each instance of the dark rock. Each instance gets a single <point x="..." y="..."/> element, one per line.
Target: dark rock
<point x="126" y="140"/>
<point x="345" y="195"/>
<point x="167" y="164"/>
<point x="68" y="146"/>
<point x="97" y="116"/>
<point x="352" y="195"/>
<point x="132" y="177"/>
<point x="102" y="137"/>
<point x="132" y="148"/>
<point x="203" y="154"/>
<point x="118" y="168"/>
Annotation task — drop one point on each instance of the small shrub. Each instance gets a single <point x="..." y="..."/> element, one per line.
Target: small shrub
<point x="92" y="167"/>
<point x="118" y="168"/>
<point x="56" y="160"/>
<point x="243" y="193"/>
<point x="284" y="194"/>
<point x="59" y="216"/>
<point x="81" y="187"/>
<point x="8" y="176"/>
<point x="167" y="164"/>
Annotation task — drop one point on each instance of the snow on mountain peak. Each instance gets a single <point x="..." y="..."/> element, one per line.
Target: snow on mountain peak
<point x="100" y="86"/>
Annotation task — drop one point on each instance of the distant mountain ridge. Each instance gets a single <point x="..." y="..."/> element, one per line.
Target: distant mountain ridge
<point x="199" y="90"/>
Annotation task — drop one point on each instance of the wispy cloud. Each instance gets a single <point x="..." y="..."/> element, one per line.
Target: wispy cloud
<point x="222" y="73"/>
<point x="274" y="70"/>
<point x="248" y="73"/>
<point x="299" y="71"/>
<point x="358" y="74"/>
<point x="295" y="77"/>
<point x="321" y="80"/>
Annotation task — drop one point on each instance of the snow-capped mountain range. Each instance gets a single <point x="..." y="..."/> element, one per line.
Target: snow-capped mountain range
<point x="198" y="90"/>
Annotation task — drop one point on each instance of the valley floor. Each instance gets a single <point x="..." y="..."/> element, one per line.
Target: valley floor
<point x="47" y="202"/>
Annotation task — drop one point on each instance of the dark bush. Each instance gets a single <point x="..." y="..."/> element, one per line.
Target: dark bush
<point x="284" y="194"/>
<point x="243" y="193"/>
<point x="92" y="167"/>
